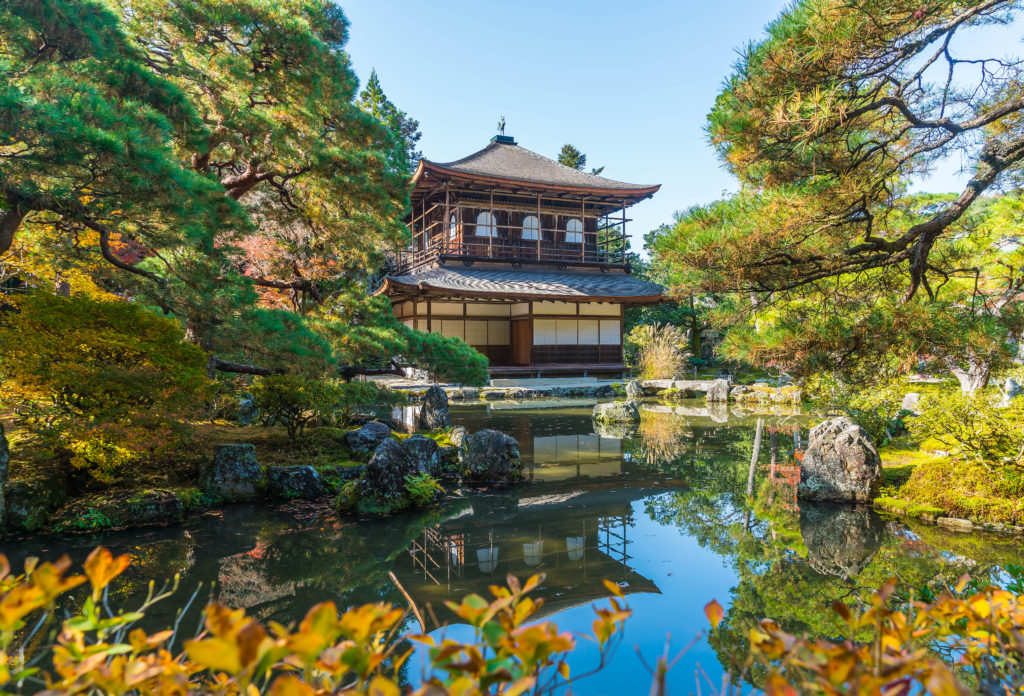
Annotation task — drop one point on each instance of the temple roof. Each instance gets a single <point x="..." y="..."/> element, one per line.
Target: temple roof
<point x="504" y="160"/>
<point x="527" y="284"/>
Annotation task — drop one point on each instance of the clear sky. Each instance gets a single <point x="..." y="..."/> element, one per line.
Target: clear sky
<point x="628" y="83"/>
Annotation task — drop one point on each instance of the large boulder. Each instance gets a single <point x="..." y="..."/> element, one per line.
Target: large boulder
<point x="368" y="437"/>
<point x="31" y="498"/>
<point x="840" y="464"/>
<point x="425" y="454"/>
<point x="911" y="402"/>
<point x="248" y="411"/>
<point x="434" y="412"/>
<point x="634" y="390"/>
<point x="382" y="490"/>
<point x="234" y="474"/>
<point x="294" y="482"/>
<point x="841" y="540"/>
<point x="617" y="412"/>
<point x="492" y="456"/>
<point x="718" y="392"/>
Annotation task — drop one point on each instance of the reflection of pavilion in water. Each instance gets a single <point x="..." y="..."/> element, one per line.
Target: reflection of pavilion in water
<point x="576" y="538"/>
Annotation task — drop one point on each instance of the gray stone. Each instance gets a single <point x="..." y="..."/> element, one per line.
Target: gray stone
<point x="634" y="390"/>
<point x="235" y="473"/>
<point x="606" y="391"/>
<point x="840" y="464"/>
<point x="424" y="453"/>
<point x="955" y="523"/>
<point x="718" y="392"/>
<point x="470" y="393"/>
<point x="841" y="540"/>
<point x="617" y="412"/>
<point x="492" y="456"/>
<point x="457" y="435"/>
<point x="911" y="402"/>
<point x="294" y="482"/>
<point x="434" y="413"/>
<point x="248" y="411"/>
<point x="382" y="487"/>
<point x="494" y="395"/>
<point x="368" y="437"/>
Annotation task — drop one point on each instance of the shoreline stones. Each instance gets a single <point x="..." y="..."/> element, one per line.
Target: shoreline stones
<point x="234" y="474"/>
<point x="617" y="412"/>
<point x="911" y="402"/>
<point x="434" y="413"/>
<point x="301" y="481"/>
<point x="840" y="464"/>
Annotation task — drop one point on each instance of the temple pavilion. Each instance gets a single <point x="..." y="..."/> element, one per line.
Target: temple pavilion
<point x="523" y="258"/>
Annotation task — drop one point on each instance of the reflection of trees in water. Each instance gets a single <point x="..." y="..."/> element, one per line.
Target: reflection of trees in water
<point x="792" y="564"/>
<point x="663" y="437"/>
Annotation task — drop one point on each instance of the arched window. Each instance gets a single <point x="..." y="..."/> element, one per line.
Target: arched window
<point x="574" y="232"/>
<point x="453" y="227"/>
<point x="531" y="227"/>
<point x="486" y="225"/>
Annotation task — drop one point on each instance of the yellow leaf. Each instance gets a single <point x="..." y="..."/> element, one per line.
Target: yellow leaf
<point x="290" y="685"/>
<point x="101" y="567"/>
<point x="381" y="686"/>
<point x="215" y="653"/>
<point x="612" y="587"/>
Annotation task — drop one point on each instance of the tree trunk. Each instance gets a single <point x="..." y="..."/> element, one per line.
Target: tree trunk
<point x="10" y="221"/>
<point x="975" y="377"/>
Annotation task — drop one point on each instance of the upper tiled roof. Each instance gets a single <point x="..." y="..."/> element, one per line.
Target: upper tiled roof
<point x="496" y="283"/>
<point x="502" y="160"/>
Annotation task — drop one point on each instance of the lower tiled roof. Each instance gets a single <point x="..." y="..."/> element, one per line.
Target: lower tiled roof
<point x="490" y="282"/>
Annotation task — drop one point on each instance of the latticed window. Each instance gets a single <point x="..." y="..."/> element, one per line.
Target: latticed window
<point x="531" y="227"/>
<point x="486" y="225"/>
<point x="574" y="231"/>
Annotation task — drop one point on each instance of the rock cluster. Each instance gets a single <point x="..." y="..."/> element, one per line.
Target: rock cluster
<point x="840" y="464"/>
<point x="911" y="402"/>
<point x="763" y="394"/>
<point x="488" y="456"/>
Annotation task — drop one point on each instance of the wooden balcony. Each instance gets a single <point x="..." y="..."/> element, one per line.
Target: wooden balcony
<point x="602" y="249"/>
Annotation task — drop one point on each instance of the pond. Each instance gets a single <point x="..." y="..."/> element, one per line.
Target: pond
<point x="661" y="510"/>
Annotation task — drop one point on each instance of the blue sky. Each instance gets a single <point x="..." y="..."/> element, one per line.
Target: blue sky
<point x="629" y="83"/>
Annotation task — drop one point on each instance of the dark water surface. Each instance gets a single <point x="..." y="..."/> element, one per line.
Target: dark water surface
<point x="660" y="510"/>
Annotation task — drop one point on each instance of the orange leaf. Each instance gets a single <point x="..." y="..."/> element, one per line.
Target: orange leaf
<point x="715" y="613"/>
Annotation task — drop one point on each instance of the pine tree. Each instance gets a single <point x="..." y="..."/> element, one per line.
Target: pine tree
<point x="570" y="156"/>
<point x="373" y="101"/>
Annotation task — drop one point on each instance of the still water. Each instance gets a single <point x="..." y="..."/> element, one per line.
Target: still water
<point x="661" y="510"/>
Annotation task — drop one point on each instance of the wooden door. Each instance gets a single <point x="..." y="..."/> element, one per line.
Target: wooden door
<point x="522" y="341"/>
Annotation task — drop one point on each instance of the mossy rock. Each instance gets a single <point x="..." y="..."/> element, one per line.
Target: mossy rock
<point x="113" y="509"/>
<point x="32" y="495"/>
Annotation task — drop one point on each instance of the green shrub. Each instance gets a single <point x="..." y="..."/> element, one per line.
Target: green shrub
<point x="423" y="489"/>
<point x="878" y="410"/>
<point x="295" y="401"/>
<point x="449" y="359"/>
<point x="972" y="426"/>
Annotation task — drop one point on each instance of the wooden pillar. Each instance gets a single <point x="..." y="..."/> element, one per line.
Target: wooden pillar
<point x="540" y="227"/>
<point x="583" y="234"/>
<point x="446" y="228"/>
<point x="623" y="233"/>
<point x="493" y="228"/>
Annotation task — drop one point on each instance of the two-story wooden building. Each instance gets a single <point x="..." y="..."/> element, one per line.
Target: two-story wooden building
<point x="523" y="258"/>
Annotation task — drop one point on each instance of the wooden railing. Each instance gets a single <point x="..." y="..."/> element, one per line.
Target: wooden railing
<point x="604" y="248"/>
